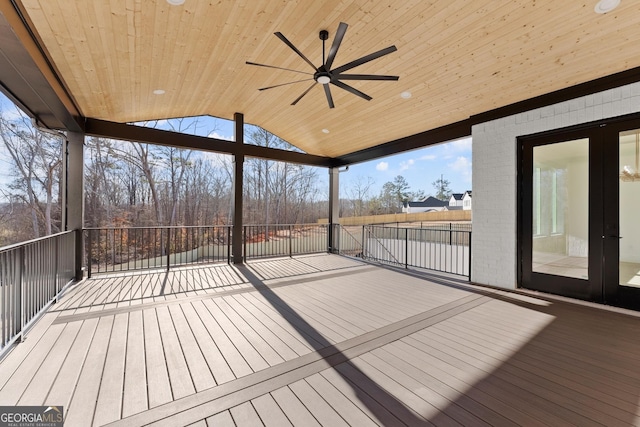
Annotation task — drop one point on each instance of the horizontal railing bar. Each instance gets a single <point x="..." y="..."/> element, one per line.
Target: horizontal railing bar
<point x="30" y="242"/>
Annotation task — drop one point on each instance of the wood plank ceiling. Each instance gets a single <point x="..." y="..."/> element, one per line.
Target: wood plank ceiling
<point x="457" y="58"/>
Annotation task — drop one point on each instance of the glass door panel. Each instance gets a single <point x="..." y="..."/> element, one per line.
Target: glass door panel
<point x="629" y="208"/>
<point x="560" y="209"/>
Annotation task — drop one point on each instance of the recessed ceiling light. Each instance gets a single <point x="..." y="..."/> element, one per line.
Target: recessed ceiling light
<point x="604" y="6"/>
<point x="175" y="2"/>
<point x="405" y="95"/>
<point x="325" y="130"/>
<point x="158" y="92"/>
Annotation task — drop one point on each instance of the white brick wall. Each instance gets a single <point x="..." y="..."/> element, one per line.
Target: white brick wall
<point x="494" y="175"/>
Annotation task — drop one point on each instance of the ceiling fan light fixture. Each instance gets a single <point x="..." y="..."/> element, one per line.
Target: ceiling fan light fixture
<point x="175" y="2"/>
<point x="325" y="73"/>
<point x="604" y="6"/>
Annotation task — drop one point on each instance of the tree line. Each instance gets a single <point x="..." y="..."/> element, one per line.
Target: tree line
<point x="131" y="184"/>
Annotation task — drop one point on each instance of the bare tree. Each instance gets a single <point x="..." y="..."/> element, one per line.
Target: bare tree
<point x="358" y="194"/>
<point x="36" y="161"/>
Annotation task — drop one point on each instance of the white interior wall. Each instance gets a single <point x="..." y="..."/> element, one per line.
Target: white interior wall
<point x="495" y="175"/>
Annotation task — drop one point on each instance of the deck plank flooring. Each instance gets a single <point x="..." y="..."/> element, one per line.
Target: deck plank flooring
<point x="322" y="340"/>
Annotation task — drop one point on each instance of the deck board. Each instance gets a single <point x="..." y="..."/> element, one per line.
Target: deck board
<point x="236" y="362"/>
<point x="223" y="419"/>
<point x="192" y="351"/>
<point x="158" y="385"/>
<point x="296" y="412"/>
<point x="270" y="412"/>
<point x="179" y="374"/>
<point x="326" y="414"/>
<point x="246" y="415"/>
<point x="322" y="340"/>
<point x="134" y="396"/>
<point x="109" y="405"/>
<point x="44" y="378"/>
<point x="82" y="407"/>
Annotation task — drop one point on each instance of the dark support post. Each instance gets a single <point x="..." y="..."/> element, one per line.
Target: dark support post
<point x="238" y="172"/>
<point x="73" y="193"/>
<point x="334" y="210"/>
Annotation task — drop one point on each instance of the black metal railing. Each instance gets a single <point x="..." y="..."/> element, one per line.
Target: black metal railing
<point x="32" y="276"/>
<point x="263" y="241"/>
<point x="440" y="249"/>
<point x="139" y="248"/>
<point x="444" y="247"/>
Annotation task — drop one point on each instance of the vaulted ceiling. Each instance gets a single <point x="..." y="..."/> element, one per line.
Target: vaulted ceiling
<point x="457" y="58"/>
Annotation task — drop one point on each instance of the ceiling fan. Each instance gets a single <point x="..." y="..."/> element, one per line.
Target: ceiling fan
<point x="324" y="74"/>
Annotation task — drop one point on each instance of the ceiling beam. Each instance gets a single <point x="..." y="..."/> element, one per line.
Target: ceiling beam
<point x="27" y="78"/>
<point x="127" y="132"/>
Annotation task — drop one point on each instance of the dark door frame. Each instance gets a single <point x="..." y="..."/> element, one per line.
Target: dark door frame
<point x="603" y="213"/>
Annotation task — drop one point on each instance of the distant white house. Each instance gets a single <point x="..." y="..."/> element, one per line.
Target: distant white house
<point x="456" y="199"/>
<point x="430" y="204"/>
<point x="466" y="200"/>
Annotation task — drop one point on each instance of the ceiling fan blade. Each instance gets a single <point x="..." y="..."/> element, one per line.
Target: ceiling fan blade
<point x="295" y="49"/>
<point x="364" y="59"/>
<point x="303" y="94"/>
<point x="277" y="68"/>
<point x="364" y="77"/>
<point x="284" y="84"/>
<point x="342" y="29"/>
<point x="327" y="92"/>
<point x="351" y="89"/>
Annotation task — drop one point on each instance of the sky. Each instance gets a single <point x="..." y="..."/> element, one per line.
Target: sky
<point x="420" y="167"/>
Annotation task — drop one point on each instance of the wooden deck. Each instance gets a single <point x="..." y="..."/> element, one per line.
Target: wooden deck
<point x="323" y="340"/>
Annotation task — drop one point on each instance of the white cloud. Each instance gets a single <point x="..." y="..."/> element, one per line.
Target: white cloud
<point x="382" y="166"/>
<point x="216" y="135"/>
<point x="406" y="165"/>
<point x="461" y="144"/>
<point x="462" y="166"/>
<point x="218" y="159"/>
<point x="429" y="157"/>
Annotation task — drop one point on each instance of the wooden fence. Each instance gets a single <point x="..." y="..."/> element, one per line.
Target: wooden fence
<point x="446" y="216"/>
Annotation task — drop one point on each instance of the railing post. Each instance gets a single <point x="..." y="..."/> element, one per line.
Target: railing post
<point x="57" y="243"/>
<point x="90" y="240"/>
<point x="469" y="256"/>
<point x="168" y="247"/>
<point x="363" y="243"/>
<point x="290" y="242"/>
<point x="244" y="242"/>
<point x="451" y="233"/>
<point x="406" y="248"/>
<point x="20" y="317"/>
<point x="228" y="244"/>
